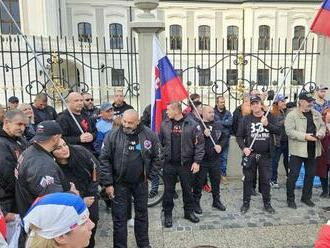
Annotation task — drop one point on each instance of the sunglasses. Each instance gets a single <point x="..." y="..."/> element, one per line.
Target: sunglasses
<point x="89" y="99"/>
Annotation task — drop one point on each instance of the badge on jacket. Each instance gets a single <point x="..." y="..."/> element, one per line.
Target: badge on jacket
<point x="147" y="144"/>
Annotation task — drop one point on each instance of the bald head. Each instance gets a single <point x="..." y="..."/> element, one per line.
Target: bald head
<point x="130" y="121"/>
<point x="75" y="102"/>
<point x="208" y="113"/>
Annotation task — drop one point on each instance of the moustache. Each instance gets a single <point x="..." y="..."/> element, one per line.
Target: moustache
<point x="128" y="130"/>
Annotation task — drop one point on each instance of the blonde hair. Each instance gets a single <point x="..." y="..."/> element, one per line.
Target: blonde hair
<point x="23" y="106"/>
<point x="36" y="241"/>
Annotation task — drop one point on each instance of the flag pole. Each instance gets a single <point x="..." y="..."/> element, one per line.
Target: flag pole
<point x="281" y="85"/>
<point x="41" y="65"/>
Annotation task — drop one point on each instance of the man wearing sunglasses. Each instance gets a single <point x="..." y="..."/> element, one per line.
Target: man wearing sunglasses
<point x="89" y="108"/>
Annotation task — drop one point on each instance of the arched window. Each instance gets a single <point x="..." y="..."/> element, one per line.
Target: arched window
<point x="232" y="38"/>
<point x="84" y="32"/>
<point x="204" y="35"/>
<point x="116" y="35"/>
<point x="264" y="37"/>
<point x="175" y="37"/>
<point x="298" y="37"/>
<point x="7" y="24"/>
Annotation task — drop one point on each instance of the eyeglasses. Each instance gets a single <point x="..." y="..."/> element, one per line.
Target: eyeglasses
<point x="89" y="99"/>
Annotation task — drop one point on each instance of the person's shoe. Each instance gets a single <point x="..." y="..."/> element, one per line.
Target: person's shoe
<point x="253" y="192"/>
<point x="207" y="188"/>
<point x="224" y="180"/>
<point x="152" y="194"/>
<point x="269" y="208"/>
<point x="219" y="205"/>
<point x="197" y="207"/>
<point x="274" y="185"/>
<point x="245" y="207"/>
<point x="168" y="222"/>
<point x="192" y="217"/>
<point x="308" y="202"/>
<point x="324" y="195"/>
<point x="175" y="196"/>
<point x="130" y="222"/>
<point x="292" y="204"/>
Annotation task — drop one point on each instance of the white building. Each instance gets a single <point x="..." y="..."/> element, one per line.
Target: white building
<point x="234" y="43"/>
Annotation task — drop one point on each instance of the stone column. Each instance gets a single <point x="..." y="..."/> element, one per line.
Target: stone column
<point x="146" y="25"/>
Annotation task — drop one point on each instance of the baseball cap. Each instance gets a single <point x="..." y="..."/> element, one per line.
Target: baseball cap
<point x="56" y="214"/>
<point x="280" y="98"/>
<point x="106" y="106"/>
<point x="13" y="99"/>
<point x="290" y="105"/>
<point x="46" y="129"/>
<point x="255" y="99"/>
<point x="306" y="96"/>
<point x="321" y="87"/>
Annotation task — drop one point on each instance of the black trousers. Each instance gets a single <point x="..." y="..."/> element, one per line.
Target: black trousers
<point x="94" y="216"/>
<point x="212" y="169"/>
<point x="262" y="163"/>
<point x="294" y="170"/>
<point x="170" y="174"/>
<point x="139" y="191"/>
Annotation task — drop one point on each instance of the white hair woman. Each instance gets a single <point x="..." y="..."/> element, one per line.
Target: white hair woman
<point x="59" y="220"/>
<point x="30" y="129"/>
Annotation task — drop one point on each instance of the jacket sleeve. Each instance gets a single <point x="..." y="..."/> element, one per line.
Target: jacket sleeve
<point x="7" y="168"/>
<point x="290" y="128"/>
<point x="227" y="121"/>
<point x="321" y="132"/>
<point x="157" y="159"/>
<point x="199" y="143"/>
<point x="66" y="130"/>
<point x="272" y="127"/>
<point x="240" y="134"/>
<point x="235" y="120"/>
<point x="106" y="161"/>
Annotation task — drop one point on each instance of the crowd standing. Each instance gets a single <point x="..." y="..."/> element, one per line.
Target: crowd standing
<point x="57" y="162"/>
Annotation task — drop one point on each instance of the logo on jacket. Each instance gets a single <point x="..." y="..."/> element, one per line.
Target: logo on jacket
<point x="147" y="144"/>
<point x="46" y="180"/>
<point x="84" y="124"/>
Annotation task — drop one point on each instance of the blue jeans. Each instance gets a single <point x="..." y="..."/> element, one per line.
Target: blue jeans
<point x="223" y="159"/>
<point x="278" y="150"/>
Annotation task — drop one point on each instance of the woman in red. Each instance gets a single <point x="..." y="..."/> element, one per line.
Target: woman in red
<point x="323" y="163"/>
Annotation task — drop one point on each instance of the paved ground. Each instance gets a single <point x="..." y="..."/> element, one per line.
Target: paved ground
<point x="286" y="228"/>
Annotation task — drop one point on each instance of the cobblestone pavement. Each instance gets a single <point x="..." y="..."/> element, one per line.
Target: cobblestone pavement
<point x="286" y="228"/>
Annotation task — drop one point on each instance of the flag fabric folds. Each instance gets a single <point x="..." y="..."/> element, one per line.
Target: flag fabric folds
<point x="167" y="85"/>
<point x="321" y="22"/>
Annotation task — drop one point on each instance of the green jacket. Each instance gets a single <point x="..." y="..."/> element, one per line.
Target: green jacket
<point x="296" y="126"/>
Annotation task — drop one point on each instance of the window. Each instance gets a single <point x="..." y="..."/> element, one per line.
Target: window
<point x="263" y="77"/>
<point x="232" y="76"/>
<point x="179" y="73"/>
<point x="204" y="34"/>
<point x="116" y="36"/>
<point x="204" y="77"/>
<point x="264" y="37"/>
<point x="232" y="38"/>
<point x="298" y="37"/>
<point x="85" y="32"/>
<point x="175" y="37"/>
<point x="298" y="75"/>
<point x="117" y="77"/>
<point x="7" y="24"/>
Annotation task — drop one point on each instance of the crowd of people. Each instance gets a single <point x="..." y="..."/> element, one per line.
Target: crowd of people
<point x="57" y="162"/>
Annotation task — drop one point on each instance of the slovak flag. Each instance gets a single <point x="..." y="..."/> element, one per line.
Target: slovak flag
<point x="167" y="85"/>
<point x="321" y="23"/>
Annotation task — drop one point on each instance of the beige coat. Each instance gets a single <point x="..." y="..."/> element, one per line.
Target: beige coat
<point x="295" y="128"/>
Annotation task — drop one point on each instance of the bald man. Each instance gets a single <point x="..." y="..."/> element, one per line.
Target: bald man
<point x="71" y="132"/>
<point x="129" y="154"/>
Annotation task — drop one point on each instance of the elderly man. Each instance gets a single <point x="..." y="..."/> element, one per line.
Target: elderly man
<point x="305" y="128"/>
<point x="12" y="144"/>
<point x="71" y="132"/>
<point x="119" y="105"/>
<point x="41" y="110"/>
<point x="129" y="154"/>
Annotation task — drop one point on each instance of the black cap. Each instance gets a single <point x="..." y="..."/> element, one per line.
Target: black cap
<point x="290" y="105"/>
<point x="45" y="130"/>
<point x="255" y="99"/>
<point x="306" y="96"/>
<point x="13" y="99"/>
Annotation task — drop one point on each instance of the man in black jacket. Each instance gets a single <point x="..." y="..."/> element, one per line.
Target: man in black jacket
<point x="183" y="141"/>
<point x="41" y="110"/>
<point x="37" y="172"/>
<point x="71" y="132"/>
<point x="260" y="154"/>
<point x="210" y="162"/>
<point x="91" y="111"/>
<point x="119" y="105"/>
<point x="12" y="144"/>
<point x="129" y="154"/>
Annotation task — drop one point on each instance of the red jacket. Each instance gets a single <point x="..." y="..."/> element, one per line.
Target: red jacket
<point x="322" y="161"/>
<point x="323" y="240"/>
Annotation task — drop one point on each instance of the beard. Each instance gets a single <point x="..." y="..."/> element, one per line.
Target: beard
<point x="128" y="130"/>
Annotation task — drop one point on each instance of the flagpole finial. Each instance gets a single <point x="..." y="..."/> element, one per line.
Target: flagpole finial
<point x="146" y="6"/>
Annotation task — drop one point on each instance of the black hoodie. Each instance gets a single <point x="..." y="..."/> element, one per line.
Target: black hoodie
<point x="119" y="110"/>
